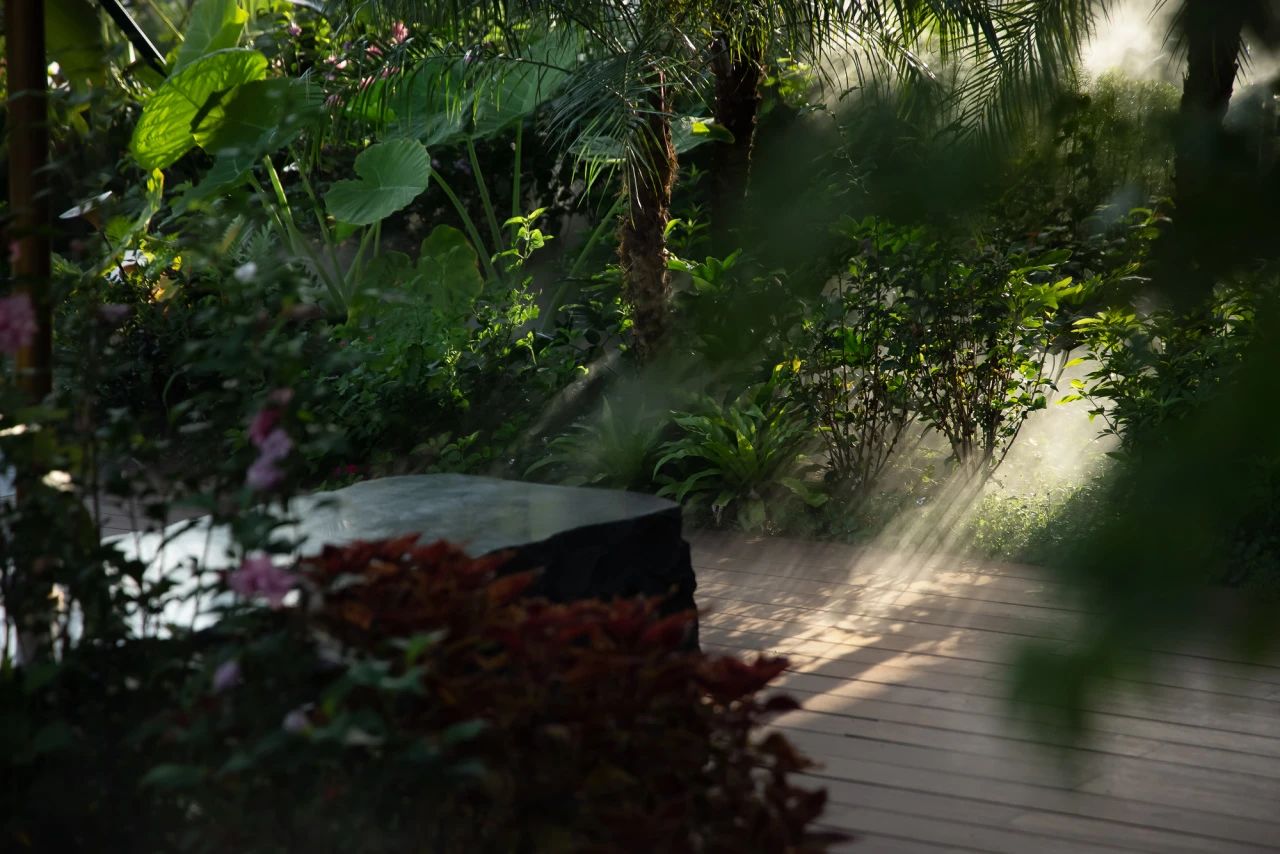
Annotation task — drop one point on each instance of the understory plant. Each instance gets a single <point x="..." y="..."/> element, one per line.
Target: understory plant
<point x="618" y="448"/>
<point x="742" y="461"/>
<point x="855" y="370"/>
<point x="983" y="325"/>
<point x="1152" y="366"/>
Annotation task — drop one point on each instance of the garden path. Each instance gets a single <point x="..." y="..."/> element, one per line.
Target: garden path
<point x="897" y="660"/>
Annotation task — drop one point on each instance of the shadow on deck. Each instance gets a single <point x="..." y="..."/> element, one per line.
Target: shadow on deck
<point x="900" y="669"/>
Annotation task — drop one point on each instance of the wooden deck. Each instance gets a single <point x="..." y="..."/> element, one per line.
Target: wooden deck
<point x="898" y="663"/>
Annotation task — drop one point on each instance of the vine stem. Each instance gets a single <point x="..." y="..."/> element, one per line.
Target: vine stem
<point x="468" y="224"/>
<point x="494" y="230"/>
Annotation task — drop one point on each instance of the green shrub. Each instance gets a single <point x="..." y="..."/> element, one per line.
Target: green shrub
<point x="618" y="449"/>
<point x="742" y="461"/>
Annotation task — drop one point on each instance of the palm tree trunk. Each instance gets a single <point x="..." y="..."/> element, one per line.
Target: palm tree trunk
<point x="642" y="243"/>
<point x="738" y="75"/>
<point x="1213" y="32"/>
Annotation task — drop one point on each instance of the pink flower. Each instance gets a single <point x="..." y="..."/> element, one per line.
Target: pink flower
<point x="295" y="30"/>
<point x="264" y="475"/>
<point x="276" y="446"/>
<point x="399" y="32"/>
<point x="17" y="323"/>
<point x="227" y="676"/>
<point x="259" y="576"/>
<point x="373" y="50"/>
<point x="262" y="425"/>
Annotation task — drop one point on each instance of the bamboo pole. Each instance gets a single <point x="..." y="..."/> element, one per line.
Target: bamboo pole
<point x="28" y="228"/>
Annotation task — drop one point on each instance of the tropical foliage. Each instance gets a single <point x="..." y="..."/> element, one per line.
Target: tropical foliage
<point x="805" y="267"/>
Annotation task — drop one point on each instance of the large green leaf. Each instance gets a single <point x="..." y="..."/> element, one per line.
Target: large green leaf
<point x="441" y="287"/>
<point x="262" y="117"/>
<point x="213" y="25"/>
<point x="191" y="99"/>
<point x="515" y="95"/>
<point x="391" y="175"/>
<point x="449" y="269"/>
<point x="73" y="39"/>
<point x="432" y="106"/>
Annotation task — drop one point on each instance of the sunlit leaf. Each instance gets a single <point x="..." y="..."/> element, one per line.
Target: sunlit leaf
<point x="213" y="25"/>
<point x="189" y="99"/>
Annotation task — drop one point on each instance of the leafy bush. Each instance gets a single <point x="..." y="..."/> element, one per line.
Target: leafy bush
<point x="416" y="701"/>
<point x="619" y="448"/>
<point x="743" y="460"/>
<point x="856" y="376"/>
<point x="1154" y="366"/>
<point x="983" y="324"/>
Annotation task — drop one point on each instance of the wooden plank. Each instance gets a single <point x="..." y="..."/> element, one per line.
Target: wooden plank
<point x="1241" y="761"/>
<point x="966" y="835"/>
<point x="879" y="843"/>
<point x="1105" y="720"/>
<point x="855" y="615"/>
<point x="1050" y="831"/>
<point x="763" y="636"/>
<point x="1170" y="704"/>
<point x="1025" y="600"/>
<point x="1160" y="781"/>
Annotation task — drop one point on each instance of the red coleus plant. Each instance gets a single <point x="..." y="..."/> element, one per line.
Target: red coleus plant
<point x="602" y="734"/>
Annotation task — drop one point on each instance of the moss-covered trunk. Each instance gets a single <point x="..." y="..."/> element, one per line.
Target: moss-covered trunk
<point x="739" y="72"/>
<point x="642" y="244"/>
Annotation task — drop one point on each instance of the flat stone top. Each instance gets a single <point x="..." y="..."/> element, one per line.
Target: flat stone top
<point x="481" y="514"/>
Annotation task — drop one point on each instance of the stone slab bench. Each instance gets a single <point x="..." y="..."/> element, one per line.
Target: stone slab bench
<point x="589" y="543"/>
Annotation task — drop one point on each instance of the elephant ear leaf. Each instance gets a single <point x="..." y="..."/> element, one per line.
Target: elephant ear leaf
<point x="190" y="99"/>
<point x="262" y="117"/>
<point x="214" y="25"/>
<point x="449" y="271"/>
<point x="390" y="175"/>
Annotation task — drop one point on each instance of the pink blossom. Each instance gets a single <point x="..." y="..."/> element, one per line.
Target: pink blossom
<point x="263" y="475"/>
<point x="276" y="446"/>
<point x="17" y="323"/>
<point x="262" y="425"/>
<point x="399" y="32"/>
<point x="259" y="576"/>
<point x="373" y="50"/>
<point x="295" y="30"/>
<point x="227" y="676"/>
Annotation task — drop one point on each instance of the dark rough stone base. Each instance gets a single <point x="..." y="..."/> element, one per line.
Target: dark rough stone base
<point x="645" y="556"/>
